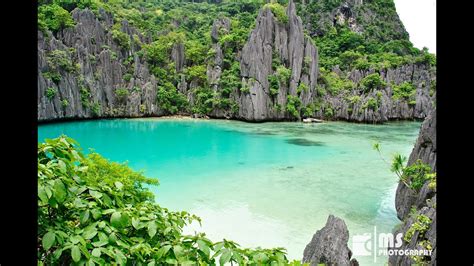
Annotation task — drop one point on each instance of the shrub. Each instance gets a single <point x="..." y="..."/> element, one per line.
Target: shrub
<point x="85" y="95"/>
<point x="283" y="74"/>
<point x="371" y="104"/>
<point x="120" y="37"/>
<point x="54" y="76"/>
<point x="127" y="77"/>
<point x="335" y="84"/>
<point x="421" y="225"/>
<point x="372" y="81"/>
<point x="53" y="17"/>
<point x="417" y="174"/>
<point x="197" y="73"/>
<point x="354" y="99"/>
<point x="60" y="59"/>
<point x="142" y="108"/>
<point x="274" y="84"/>
<point x="302" y="88"/>
<point x="403" y="91"/>
<point x="121" y="94"/>
<point x="204" y="102"/>
<point x="348" y="58"/>
<point x="91" y="210"/>
<point x="65" y="103"/>
<point x="169" y="99"/>
<point x="51" y="92"/>
<point x="96" y="109"/>
<point x="279" y="12"/>
<point x="328" y="112"/>
<point x="293" y="106"/>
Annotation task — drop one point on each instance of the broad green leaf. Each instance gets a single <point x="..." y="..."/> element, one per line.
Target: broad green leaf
<point x="204" y="247"/>
<point x="237" y="257"/>
<point x="152" y="263"/>
<point x="112" y="238"/>
<point x="75" y="239"/>
<point x="108" y="211"/>
<point x="96" y="214"/>
<point x="225" y="257"/>
<point x="151" y="229"/>
<point x="42" y="194"/>
<point x="62" y="166"/>
<point x="78" y="203"/>
<point x="96" y="252"/>
<point x="171" y="261"/>
<point x="167" y="230"/>
<point x="178" y="251"/>
<point x="136" y="223"/>
<point x="218" y="246"/>
<point x="48" y="240"/>
<point x="260" y="257"/>
<point x="89" y="233"/>
<point x="116" y="219"/>
<point x="76" y="253"/>
<point x="162" y="251"/>
<point x="95" y="194"/>
<point x="84" y="216"/>
<point x="58" y="253"/>
<point x="119" y="185"/>
<point x="100" y="243"/>
<point x="60" y="192"/>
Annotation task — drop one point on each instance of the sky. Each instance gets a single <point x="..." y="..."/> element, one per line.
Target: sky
<point x="419" y="19"/>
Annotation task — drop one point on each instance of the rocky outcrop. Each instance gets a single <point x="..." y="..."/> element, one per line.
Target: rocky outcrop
<point x="411" y="205"/>
<point x="85" y="72"/>
<point x="90" y="67"/>
<point x="329" y="245"/>
<point x="275" y="41"/>
<point x="419" y="75"/>
<point x="425" y="150"/>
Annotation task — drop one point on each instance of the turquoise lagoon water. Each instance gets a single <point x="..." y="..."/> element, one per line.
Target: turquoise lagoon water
<point x="268" y="184"/>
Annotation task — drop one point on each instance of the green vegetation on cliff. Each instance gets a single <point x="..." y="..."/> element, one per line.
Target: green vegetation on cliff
<point x="179" y="45"/>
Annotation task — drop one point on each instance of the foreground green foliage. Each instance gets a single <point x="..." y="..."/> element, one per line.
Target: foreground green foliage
<point x="92" y="211"/>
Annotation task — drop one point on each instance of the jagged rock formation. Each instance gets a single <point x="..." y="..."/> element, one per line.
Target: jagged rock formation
<point x="216" y="65"/>
<point x="423" y="201"/>
<point x="329" y="245"/>
<point x="84" y="72"/>
<point x="420" y="75"/>
<point x="88" y="88"/>
<point x="285" y="42"/>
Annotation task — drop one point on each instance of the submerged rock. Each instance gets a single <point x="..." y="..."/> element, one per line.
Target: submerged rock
<point x="304" y="142"/>
<point x="329" y="245"/>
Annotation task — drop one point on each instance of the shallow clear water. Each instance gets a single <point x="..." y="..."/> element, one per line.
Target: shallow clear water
<point x="270" y="184"/>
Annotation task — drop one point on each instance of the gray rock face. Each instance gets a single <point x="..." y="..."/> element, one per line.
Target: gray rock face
<point x="423" y="201"/>
<point x="329" y="245"/>
<point x="99" y="68"/>
<point x="425" y="149"/>
<point x="287" y="42"/>
<point x="388" y="108"/>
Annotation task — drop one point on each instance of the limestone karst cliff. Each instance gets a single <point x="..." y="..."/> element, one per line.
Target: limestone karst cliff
<point x="274" y="47"/>
<point x="90" y="68"/>
<point x="417" y="209"/>
<point x="104" y="66"/>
